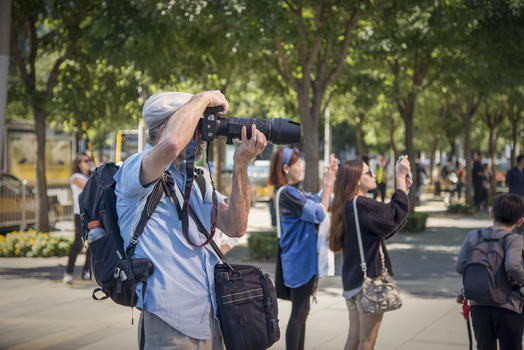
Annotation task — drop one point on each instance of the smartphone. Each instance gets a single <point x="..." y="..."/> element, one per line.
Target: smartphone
<point x="408" y="176"/>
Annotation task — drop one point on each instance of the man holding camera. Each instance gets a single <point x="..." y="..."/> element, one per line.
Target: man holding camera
<point x="179" y="306"/>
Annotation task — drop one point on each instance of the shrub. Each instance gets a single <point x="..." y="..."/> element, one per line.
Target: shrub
<point x="462" y="209"/>
<point x="263" y="245"/>
<point x="416" y="222"/>
<point x="33" y="244"/>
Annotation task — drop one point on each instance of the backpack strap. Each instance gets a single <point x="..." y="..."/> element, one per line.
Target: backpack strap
<point x="492" y="239"/>
<point x="149" y="208"/>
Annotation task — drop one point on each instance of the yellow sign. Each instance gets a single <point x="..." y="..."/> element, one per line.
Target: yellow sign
<point x="22" y="157"/>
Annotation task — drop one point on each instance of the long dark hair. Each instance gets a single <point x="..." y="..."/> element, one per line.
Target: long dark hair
<point x="346" y="187"/>
<point x="277" y="177"/>
<point x="76" y="162"/>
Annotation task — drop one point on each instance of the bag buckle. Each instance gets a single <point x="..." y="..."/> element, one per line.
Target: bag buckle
<point x="116" y="274"/>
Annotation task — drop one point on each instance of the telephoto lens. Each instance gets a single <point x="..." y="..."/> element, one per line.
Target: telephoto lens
<point x="277" y="131"/>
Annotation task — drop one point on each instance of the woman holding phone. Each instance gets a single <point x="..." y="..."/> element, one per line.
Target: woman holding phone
<point x="377" y="221"/>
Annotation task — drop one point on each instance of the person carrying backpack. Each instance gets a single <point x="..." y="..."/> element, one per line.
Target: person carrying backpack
<point x="490" y="262"/>
<point x="179" y="304"/>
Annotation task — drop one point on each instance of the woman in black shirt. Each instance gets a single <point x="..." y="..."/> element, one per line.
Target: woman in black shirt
<point x="378" y="222"/>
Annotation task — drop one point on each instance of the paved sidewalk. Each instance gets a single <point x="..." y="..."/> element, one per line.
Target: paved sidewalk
<point x="39" y="312"/>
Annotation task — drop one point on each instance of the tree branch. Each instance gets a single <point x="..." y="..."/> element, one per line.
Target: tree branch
<point x="53" y="76"/>
<point x="19" y="60"/>
<point x="292" y="82"/>
<point x="34" y="47"/>
<point x="325" y="59"/>
<point x="345" y="46"/>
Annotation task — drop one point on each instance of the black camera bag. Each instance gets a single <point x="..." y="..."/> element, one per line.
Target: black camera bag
<point x="247" y="307"/>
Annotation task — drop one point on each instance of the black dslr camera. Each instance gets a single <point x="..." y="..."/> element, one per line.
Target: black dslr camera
<point x="277" y="131"/>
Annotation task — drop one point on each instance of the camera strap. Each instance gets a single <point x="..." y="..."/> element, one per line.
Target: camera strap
<point x="168" y="183"/>
<point x="191" y="151"/>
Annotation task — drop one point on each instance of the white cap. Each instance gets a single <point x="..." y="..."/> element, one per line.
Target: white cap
<point x="160" y="107"/>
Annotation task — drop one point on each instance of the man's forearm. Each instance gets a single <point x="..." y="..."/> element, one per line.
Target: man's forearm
<point x="178" y="132"/>
<point x="235" y="217"/>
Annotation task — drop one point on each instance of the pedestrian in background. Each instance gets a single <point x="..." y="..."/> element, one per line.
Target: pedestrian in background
<point x="477" y="178"/>
<point x="81" y="171"/>
<point x="460" y="179"/>
<point x="382" y="177"/>
<point x="378" y="222"/>
<point x="494" y="322"/>
<point x="515" y="177"/>
<point x="515" y="181"/>
<point x="422" y="175"/>
<point x="300" y="214"/>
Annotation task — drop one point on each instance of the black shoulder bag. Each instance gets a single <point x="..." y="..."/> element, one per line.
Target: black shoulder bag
<point x="246" y="298"/>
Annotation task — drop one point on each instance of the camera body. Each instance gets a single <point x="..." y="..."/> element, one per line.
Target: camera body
<point x="277" y="131"/>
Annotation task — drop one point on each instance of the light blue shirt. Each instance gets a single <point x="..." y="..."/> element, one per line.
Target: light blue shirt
<point x="181" y="289"/>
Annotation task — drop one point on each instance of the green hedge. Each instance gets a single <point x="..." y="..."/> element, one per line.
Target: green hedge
<point x="263" y="245"/>
<point x="33" y="244"/>
<point x="416" y="222"/>
<point x="462" y="209"/>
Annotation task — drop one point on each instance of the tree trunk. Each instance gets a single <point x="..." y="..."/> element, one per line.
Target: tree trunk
<point x="393" y="146"/>
<point x="311" y="145"/>
<point x="434" y="147"/>
<point x="407" y="116"/>
<point x="492" y="159"/>
<point x="514" y="115"/>
<point x="453" y="150"/>
<point x="493" y="120"/>
<point x="360" y="134"/>
<point x="42" y="221"/>
<point x="467" y="117"/>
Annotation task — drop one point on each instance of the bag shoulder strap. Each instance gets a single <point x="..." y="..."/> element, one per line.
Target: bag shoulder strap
<point x="363" y="264"/>
<point x="277" y="205"/>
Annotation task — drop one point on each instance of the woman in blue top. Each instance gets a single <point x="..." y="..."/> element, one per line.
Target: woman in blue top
<point x="300" y="213"/>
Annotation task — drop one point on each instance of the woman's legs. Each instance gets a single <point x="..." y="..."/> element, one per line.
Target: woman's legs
<point x="76" y="247"/>
<point x="368" y="330"/>
<point x="296" y="327"/>
<point x="352" y="340"/>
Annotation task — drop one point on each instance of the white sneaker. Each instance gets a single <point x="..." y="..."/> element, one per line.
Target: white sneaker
<point x="68" y="278"/>
<point x="86" y="275"/>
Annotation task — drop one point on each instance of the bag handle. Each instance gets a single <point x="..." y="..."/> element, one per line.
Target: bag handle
<point x="363" y="264"/>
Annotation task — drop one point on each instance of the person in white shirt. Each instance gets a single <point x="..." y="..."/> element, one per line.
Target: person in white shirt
<point x="81" y="171"/>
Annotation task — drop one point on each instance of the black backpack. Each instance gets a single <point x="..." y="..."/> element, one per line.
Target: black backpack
<point x="485" y="279"/>
<point x="114" y="268"/>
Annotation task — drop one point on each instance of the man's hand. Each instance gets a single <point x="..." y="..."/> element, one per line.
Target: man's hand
<point x="232" y="219"/>
<point x="251" y="148"/>
<point x="213" y="98"/>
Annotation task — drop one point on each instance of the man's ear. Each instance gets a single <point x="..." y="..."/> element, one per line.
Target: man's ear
<point x="161" y="129"/>
<point x="520" y="222"/>
<point x="491" y="216"/>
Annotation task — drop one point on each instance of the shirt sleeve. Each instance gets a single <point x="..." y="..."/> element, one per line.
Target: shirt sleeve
<point x="508" y="177"/>
<point x="513" y="260"/>
<point x="128" y="178"/>
<point x="383" y="219"/>
<point x="293" y="202"/>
